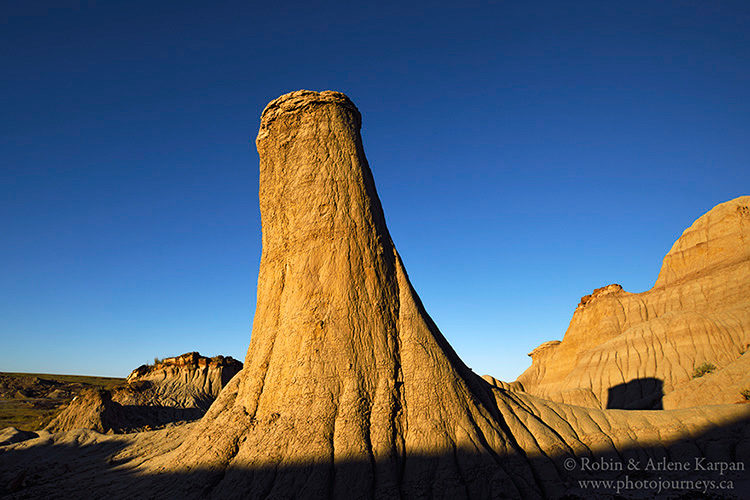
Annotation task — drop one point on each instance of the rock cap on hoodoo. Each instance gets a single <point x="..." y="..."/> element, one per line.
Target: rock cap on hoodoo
<point x="192" y="360"/>
<point x="303" y="99"/>
<point x="599" y="292"/>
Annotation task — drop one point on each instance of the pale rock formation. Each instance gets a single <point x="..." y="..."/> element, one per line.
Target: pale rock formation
<point x="718" y="240"/>
<point x="186" y="381"/>
<point x="628" y="350"/>
<point x="724" y="386"/>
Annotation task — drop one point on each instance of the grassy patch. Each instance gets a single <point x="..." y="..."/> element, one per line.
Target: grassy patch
<point x="703" y="369"/>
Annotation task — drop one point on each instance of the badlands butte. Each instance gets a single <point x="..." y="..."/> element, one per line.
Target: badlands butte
<point x="349" y="390"/>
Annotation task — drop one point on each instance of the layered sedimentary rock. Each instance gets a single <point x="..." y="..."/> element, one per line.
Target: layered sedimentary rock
<point x="186" y="381"/>
<point x="729" y="384"/>
<point x="173" y="390"/>
<point x="627" y="350"/>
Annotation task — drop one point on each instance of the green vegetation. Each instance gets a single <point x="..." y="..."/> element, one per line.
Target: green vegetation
<point x="746" y="394"/>
<point x="157" y="360"/>
<point x="703" y="369"/>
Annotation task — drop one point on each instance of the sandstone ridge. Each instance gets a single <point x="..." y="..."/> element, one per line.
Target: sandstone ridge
<point x="625" y="350"/>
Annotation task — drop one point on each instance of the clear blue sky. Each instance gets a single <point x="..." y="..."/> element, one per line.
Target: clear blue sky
<point x="525" y="153"/>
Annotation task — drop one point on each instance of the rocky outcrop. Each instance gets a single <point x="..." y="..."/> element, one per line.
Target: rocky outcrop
<point x="598" y="292"/>
<point x="186" y="381"/>
<point x="719" y="240"/>
<point x="173" y="390"/>
<point x="91" y="409"/>
<point x="628" y="350"/>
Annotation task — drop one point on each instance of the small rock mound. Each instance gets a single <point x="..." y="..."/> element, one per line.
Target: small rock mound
<point x="186" y="381"/>
<point x="11" y="435"/>
<point x="91" y="409"/>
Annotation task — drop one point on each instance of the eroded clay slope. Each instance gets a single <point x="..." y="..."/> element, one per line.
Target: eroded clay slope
<point x="625" y="350"/>
<point x="186" y="381"/>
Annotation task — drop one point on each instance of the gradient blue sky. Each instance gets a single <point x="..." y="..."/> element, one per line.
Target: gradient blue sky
<point x="525" y="153"/>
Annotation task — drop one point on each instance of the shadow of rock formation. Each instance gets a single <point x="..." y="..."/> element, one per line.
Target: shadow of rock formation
<point x="638" y="394"/>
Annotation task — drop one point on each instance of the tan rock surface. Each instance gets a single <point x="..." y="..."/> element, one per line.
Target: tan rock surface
<point x="186" y="381"/>
<point x="91" y="409"/>
<point x="348" y="389"/>
<point x="723" y="386"/>
<point x="628" y="349"/>
<point x="10" y="435"/>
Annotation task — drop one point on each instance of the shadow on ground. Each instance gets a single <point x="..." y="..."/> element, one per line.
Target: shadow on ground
<point x="689" y="468"/>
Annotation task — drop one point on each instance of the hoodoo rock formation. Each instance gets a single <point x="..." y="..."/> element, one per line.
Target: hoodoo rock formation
<point x="349" y="390"/>
<point x="641" y="350"/>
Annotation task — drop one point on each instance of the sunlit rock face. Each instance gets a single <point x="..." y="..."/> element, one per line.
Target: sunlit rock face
<point x="186" y="381"/>
<point x="627" y="350"/>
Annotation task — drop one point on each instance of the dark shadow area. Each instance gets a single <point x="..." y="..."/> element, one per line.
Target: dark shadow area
<point x="133" y="418"/>
<point x="638" y="394"/>
<point x="685" y="469"/>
